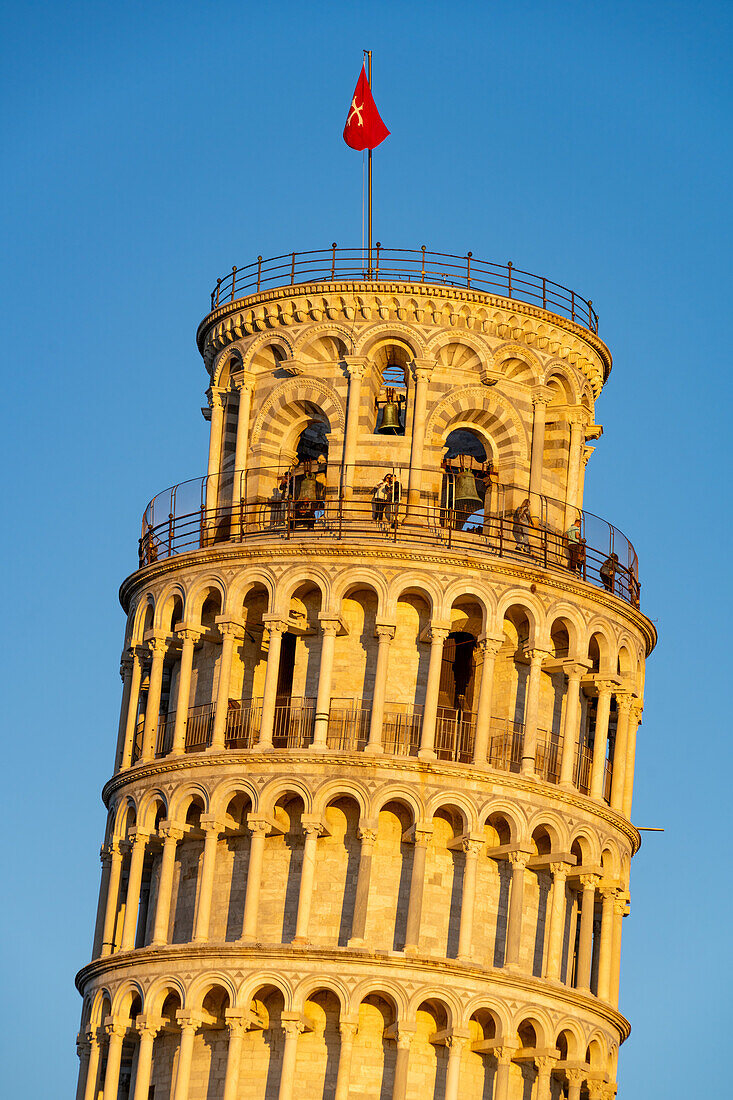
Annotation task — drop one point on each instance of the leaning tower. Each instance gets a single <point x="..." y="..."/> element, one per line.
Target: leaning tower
<point x="368" y="831"/>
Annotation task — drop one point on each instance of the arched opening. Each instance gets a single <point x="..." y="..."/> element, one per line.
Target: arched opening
<point x="262" y="1045"/>
<point x="467" y="477"/>
<point x="355" y="658"/>
<point x="281" y="872"/>
<point x="247" y="677"/>
<point x="319" y="1044"/>
<point x="298" y="670"/>
<point x="232" y="865"/>
<point x="386" y="924"/>
<point x="407" y="676"/>
<point x="445" y="866"/>
<point x="391" y="399"/>
<point x="537" y="895"/>
<point x="478" y="1069"/>
<point x="301" y="488"/>
<point x="428" y="1051"/>
<point x="186" y="873"/>
<point x="337" y="866"/>
<point x="375" y="1049"/>
<point x="495" y="886"/>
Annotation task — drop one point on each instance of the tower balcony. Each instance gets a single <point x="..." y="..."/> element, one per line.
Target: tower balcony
<point x="408" y="266"/>
<point x="281" y="503"/>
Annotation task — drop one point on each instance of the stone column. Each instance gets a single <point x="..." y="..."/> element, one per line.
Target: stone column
<point x="116" y="1030"/>
<point x="89" y="1085"/>
<point x="329" y="629"/>
<point x="147" y="1028"/>
<point x="605" y="956"/>
<point x="348" y="1034"/>
<point x="624" y="699"/>
<point x="356" y="368"/>
<point x="213" y="829"/>
<point x="544" y="1065"/>
<point x="634" y="721"/>
<point x="292" y="1029"/>
<point x="159" y="648"/>
<point x="231" y="633"/>
<point x="171" y="835"/>
<point x="536" y="657"/>
<point x="258" y="831"/>
<point x="402" y="1063"/>
<point x="575" y="1080"/>
<point x="105" y="855"/>
<point x="557" y="921"/>
<point x="313" y="830"/>
<point x="113" y="897"/>
<point x="216" y="404"/>
<point x="577" y="437"/>
<point x="600" y="741"/>
<point x="245" y="383"/>
<point x="237" y="1025"/>
<point x="503" y="1062"/>
<point x="438" y="634"/>
<point x="126" y="666"/>
<point x="132" y="707"/>
<point x="276" y="629"/>
<point x="585" y="941"/>
<point x="519" y="862"/>
<point x="472" y="847"/>
<point x="620" y="909"/>
<point x="385" y="632"/>
<point x="540" y="402"/>
<point x="422" y="369"/>
<point x="189" y="636"/>
<point x="455" y="1045"/>
<point x="132" y="902"/>
<point x="421" y="835"/>
<point x="489" y="647"/>
<point x="571" y="724"/>
<point x="189" y="1026"/>
<point x="83" y="1048"/>
<point x="368" y="839"/>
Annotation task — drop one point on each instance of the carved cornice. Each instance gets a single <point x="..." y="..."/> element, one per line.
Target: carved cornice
<point x="309" y="302"/>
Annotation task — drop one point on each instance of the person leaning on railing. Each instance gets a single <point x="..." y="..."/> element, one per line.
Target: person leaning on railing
<point x="576" y="546"/>
<point x="607" y="572"/>
<point x="523" y="523"/>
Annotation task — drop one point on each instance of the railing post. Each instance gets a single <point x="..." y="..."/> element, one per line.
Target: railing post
<point x="234" y="282"/>
<point x="572" y="305"/>
<point x="590" y="314"/>
<point x="544" y="292"/>
<point x="423" y="263"/>
<point x="218" y="288"/>
<point x="509" y="277"/>
<point x="333" y="260"/>
<point x="170" y="534"/>
<point x="259" y="272"/>
<point x="376" y="272"/>
<point x="292" y="268"/>
<point x="468" y="270"/>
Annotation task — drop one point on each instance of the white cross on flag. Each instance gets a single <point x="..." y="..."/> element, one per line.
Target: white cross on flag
<point x="364" y="128"/>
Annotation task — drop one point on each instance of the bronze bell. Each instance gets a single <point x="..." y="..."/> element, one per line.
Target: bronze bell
<point x="307" y="487"/>
<point x="390" y="419"/>
<point x="466" y="497"/>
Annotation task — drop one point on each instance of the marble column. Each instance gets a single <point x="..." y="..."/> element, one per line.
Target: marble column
<point x="292" y="1029"/>
<point x="356" y="368"/>
<point x="455" y="1045"/>
<point x="105" y="855"/>
<point x="113" y="897"/>
<point x="545" y="1064"/>
<point x="571" y="725"/>
<point x="512" y="955"/>
<point x="402" y="1063"/>
<point x="91" y="1081"/>
<point x="329" y="629"/>
<point x="313" y="830"/>
<point x="245" y="383"/>
<point x="213" y="830"/>
<point x="140" y="839"/>
<point x="237" y="1026"/>
<point x="634" y="721"/>
<point x="575" y="1077"/>
<point x="489" y="647"/>
<point x="368" y="838"/>
<point x="556" y="931"/>
<point x="346" y="1051"/>
<point x="624" y="700"/>
<point x="472" y="848"/>
<point x="605" y="957"/>
<point x="540" y="402"/>
<point x="127" y="662"/>
<point x="385" y="632"/>
<point x="585" y="939"/>
<point x="189" y="636"/>
<point x="171" y="835"/>
<point x="147" y="1028"/>
<point x="577" y="438"/>
<point x="190" y="1024"/>
<point x="159" y="648"/>
<point x="600" y="740"/>
<point x="231" y="634"/>
<point x="421" y="835"/>
<point x="422" y="369"/>
<point x="620" y="909"/>
<point x="258" y="831"/>
<point x="438" y="636"/>
<point x="132" y="707"/>
<point x="276" y="628"/>
<point x="503" y="1057"/>
<point x="529" y="749"/>
<point x="116" y="1031"/>
<point x="216" y="398"/>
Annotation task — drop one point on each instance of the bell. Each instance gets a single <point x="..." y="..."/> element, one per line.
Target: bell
<point x="307" y="488"/>
<point x="466" y="497"/>
<point x="390" y="419"/>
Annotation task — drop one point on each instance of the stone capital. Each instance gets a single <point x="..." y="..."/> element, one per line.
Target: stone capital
<point x="215" y="397"/>
<point x="139" y="836"/>
<point x="367" y="835"/>
<point x="115" y="1025"/>
<point x="211" y="825"/>
<point x="168" y="830"/>
<point x="348" y="1030"/>
<point x="519" y="859"/>
<point x="490" y="644"/>
<point x="258" y="825"/>
<point x="422" y="369"/>
<point x="589" y="881"/>
<point x="356" y="365"/>
<point x="188" y="1019"/>
<point x="537" y="655"/>
<point x="541" y="397"/>
<point x="292" y="1028"/>
<point x="435" y="633"/>
<point x="419" y="833"/>
<point x="274" y="624"/>
<point x="385" y="630"/>
<point x="560" y="871"/>
<point x="575" y="1076"/>
<point x="188" y="633"/>
<point x="148" y="1025"/>
<point x="312" y="823"/>
<point x="472" y="846"/>
<point x="244" y="380"/>
<point x="158" y="641"/>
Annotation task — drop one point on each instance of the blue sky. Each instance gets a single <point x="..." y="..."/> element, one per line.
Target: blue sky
<point x="148" y="147"/>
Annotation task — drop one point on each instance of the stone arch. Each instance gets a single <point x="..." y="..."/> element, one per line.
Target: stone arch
<point x="334" y="789"/>
<point x="588" y="844"/>
<point x="390" y="332"/>
<point x="459" y="591"/>
<point x="537" y="1019"/>
<point x="228" y="789"/>
<point x="531" y="608"/>
<point x="274" y="415"/>
<point x="198" y="594"/>
<point x="265" y="979"/>
<point x="165" y="605"/>
<point x="453" y="800"/>
<point x="556" y="368"/>
<point x="533" y="367"/>
<point x="355" y="578"/>
<point x="242" y="585"/>
<point x="315" y="982"/>
<point x="144" y="614"/>
<point x="378" y="987"/>
<point x="222" y="371"/>
<point x="124" y="997"/>
<point x="611" y="865"/>
<point x="204" y="983"/>
<point x="573" y="622"/>
<point x="513" y="814"/>
<point x="296" y="578"/>
<point x="156" y="994"/>
<point x="555" y="826"/>
<point x="402" y="795"/>
<point x="183" y="798"/>
<point x="414" y="584"/>
<point x="470" y="340"/>
<point x="125" y="808"/>
<point x="98" y="998"/>
<point x="496" y="1009"/>
<point x="148" y="801"/>
<point x="316" y="332"/>
<point x="279" y="340"/>
<point x="443" y="997"/>
<point x="574" y="1040"/>
<point x="273" y="791"/>
<point x="478" y="408"/>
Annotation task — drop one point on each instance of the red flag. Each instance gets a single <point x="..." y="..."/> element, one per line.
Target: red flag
<point x="364" y="128"/>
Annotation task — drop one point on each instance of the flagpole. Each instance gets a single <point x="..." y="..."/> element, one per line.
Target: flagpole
<point x="369" y="178"/>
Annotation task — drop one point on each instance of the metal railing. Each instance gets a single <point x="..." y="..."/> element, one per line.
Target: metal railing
<point x="548" y="756"/>
<point x="243" y="723"/>
<point x="401" y="729"/>
<point x="505" y="745"/>
<point x="455" y="734"/>
<point x="294" y="721"/>
<point x="243" y="506"/>
<point x="348" y="725"/>
<point x="407" y="265"/>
